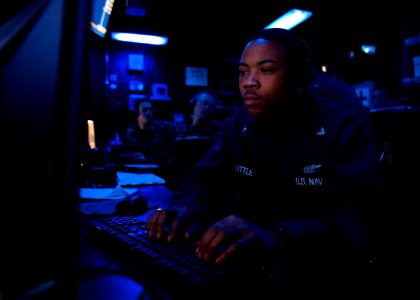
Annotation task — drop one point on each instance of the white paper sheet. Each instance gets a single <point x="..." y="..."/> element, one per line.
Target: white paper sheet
<point x="125" y="178"/>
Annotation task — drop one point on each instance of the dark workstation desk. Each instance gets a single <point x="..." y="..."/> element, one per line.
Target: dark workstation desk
<point x="104" y="273"/>
<point x="110" y="273"/>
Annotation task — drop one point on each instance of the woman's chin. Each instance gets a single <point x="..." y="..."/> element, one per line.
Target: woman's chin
<point x="255" y="111"/>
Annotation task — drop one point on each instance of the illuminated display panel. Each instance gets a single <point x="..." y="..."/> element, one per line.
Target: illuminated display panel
<point x="101" y="11"/>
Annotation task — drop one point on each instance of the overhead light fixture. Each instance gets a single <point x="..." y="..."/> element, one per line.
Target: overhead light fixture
<point x="139" y="38"/>
<point x="369" y="49"/>
<point x="290" y="19"/>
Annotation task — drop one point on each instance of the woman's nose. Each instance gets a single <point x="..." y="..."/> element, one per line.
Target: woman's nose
<point x="250" y="81"/>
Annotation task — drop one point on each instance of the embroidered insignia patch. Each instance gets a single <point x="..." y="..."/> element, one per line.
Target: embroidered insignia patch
<point x="311" y="169"/>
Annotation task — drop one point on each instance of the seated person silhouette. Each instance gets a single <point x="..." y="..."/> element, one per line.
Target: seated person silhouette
<point x="199" y="136"/>
<point x="148" y="140"/>
<point x="204" y="121"/>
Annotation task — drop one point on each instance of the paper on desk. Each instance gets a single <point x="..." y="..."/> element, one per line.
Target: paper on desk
<point x="105" y="193"/>
<point x="102" y="200"/>
<point x="125" y="178"/>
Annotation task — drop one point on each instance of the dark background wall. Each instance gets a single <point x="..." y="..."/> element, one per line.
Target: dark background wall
<point x="211" y="35"/>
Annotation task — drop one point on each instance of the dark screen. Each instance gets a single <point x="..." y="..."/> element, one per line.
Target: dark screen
<point x="41" y="87"/>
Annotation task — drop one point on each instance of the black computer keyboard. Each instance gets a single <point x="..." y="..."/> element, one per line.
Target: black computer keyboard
<point x="178" y="258"/>
<point x="176" y="266"/>
<point x="176" y="262"/>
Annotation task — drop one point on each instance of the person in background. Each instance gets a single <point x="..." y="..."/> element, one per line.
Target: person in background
<point x="290" y="190"/>
<point x="148" y="140"/>
<point x="198" y="136"/>
<point x="204" y="122"/>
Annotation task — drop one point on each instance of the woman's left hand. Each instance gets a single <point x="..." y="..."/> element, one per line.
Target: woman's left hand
<point x="233" y="235"/>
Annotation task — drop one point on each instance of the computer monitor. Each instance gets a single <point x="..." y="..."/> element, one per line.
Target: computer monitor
<point x="100" y="13"/>
<point x="41" y="86"/>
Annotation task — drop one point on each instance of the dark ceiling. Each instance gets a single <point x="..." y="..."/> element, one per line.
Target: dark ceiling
<point x="222" y="26"/>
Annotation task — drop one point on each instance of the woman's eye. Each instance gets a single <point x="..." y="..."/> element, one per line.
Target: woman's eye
<point x="267" y="70"/>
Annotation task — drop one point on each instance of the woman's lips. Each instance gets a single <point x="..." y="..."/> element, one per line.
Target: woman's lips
<point x="251" y="101"/>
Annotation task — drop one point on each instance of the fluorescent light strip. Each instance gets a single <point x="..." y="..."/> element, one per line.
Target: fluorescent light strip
<point x="290" y="19"/>
<point x="139" y="38"/>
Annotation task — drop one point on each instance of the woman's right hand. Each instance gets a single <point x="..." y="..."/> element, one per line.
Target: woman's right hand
<point x="184" y="222"/>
